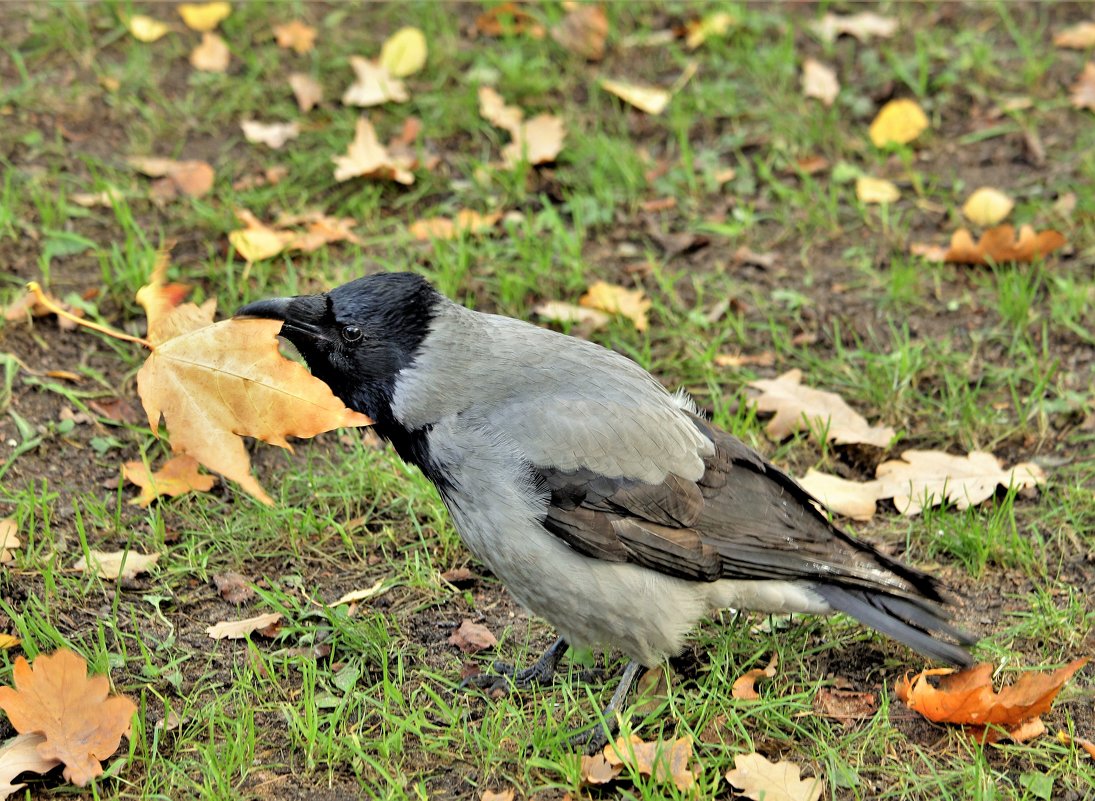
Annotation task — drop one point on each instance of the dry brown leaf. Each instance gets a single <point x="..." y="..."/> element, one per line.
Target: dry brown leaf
<point x="761" y="780"/>
<point x="404" y="52"/>
<point x="257" y="240"/>
<point x="631" y="303"/>
<point x="177" y="476"/>
<point x="8" y="539"/>
<point x="216" y="383"/>
<point x="204" y="17"/>
<point x="1080" y="36"/>
<point x="272" y="134"/>
<point x="29" y="306"/>
<point x="322" y="230"/>
<point x="583" y="31"/>
<point x="354" y="596"/>
<point x="651" y="99"/>
<point x="862" y="26"/>
<point x="699" y="31"/>
<point x="995" y="245"/>
<point x="536" y="141"/>
<point x="194" y="178"/>
<point x="508" y="18"/>
<point x="987" y="206"/>
<point x="597" y="770"/>
<point x="854" y="499"/>
<point x="465" y="222"/>
<point x="763" y="359"/>
<point x="211" y="55"/>
<point x="898" y="122"/>
<point x="797" y="407"/>
<point x="306" y="90"/>
<point x="745" y="687"/>
<point x="116" y="564"/>
<point x="295" y="36"/>
<point x="56" y="698"/>
<point x="146" y="29"/>
<point x="967" y="697"/>
<point x="876" y="190"/>
<point x="925" y="478"/>
<point x="570" y="313"/>
<point x="471" y="637"/>
<point x="846" y="706"/>
<point x="662" y="761"/>
<point x="367" y="158"/>
<point x="1083" y="91"/>
<point x="819" y="81"/>
<point x="501" y="795"/>
<point x="20" y="755"/>
<point x="234" y="587"/>
<point x="266" y="625"/>
<point x="373" y="85"/>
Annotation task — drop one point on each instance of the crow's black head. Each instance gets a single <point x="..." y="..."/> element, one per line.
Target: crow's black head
<point x="358" y="336"/>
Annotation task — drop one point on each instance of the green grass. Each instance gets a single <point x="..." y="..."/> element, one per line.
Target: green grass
<point x="363" y="700"/>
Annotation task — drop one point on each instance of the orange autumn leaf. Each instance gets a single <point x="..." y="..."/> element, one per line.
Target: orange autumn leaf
<point x="967" y="697"/>
<point x="191" y="177"/>
<point x="507" y="18"/>
<point x="80" y="723"/>
<point x="745" y="687"/>
<point x="631" y="303"/>
<point x="997" y="245"/>
<point x="295" y="36"/>
<point x="465" y="222"/>
<point x="214" y="383"/>
<point x="177" y="476"/>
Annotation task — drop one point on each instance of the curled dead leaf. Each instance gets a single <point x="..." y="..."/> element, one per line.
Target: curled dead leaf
<point x="472" y="637"/>
<point x="745" y="686"/>
<point x="267" y="625"/>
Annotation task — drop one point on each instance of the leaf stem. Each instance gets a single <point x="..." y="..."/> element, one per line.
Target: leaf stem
<point x="41" y="297"/>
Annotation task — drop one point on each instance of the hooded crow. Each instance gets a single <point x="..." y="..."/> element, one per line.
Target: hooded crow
<point x="606" y="504"/>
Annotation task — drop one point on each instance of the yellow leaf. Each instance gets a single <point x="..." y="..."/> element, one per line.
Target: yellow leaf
<point x="257" y="241"/>
<point x="716" y="24"/>
<point x="466" y="221"/>
<point x="177" y="476"/>
<point x="404" y="53"/>
<point x="8" y="641"/>
<point x="875" y="190"/>
<point x="651" y="99"/>
<point x="631" y="303"/>
<point x="146" y="29"/>
<point x="204" y="17"/>
<point x="987" y="207"/>
<point x="1080" y="36"/>
<point x="898" y="122"/>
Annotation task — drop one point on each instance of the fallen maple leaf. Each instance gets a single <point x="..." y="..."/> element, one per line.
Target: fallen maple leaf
<point x="745" y="686"/>
<point x="8" y="641"/>
<point x="116" y="564"/>
<point x="211" y="55"/>
<point x="699" y="31"/>
<point x="631" y="303"/>
<point x="145" y="29"/>
<point x="8" y="539"/>
<point x="373" y="85"/>
<point x="204" y="16"/>
<point x="465" y="222"/>
<point x="797" y="407"/>
<point x="295" y="36"/>
<point x="898" y="122"/>
<point x="404" y="52"/>
<point x="987" y="206"/>
<point x="536" y="141"/>
<point x="306" y="90"/>
<point x="272" y="134"/>
<point x="1080" y="36"/>
<point x="1083" y="91"/>
<point x="819" y="81"/>
<point x="967" y="697"/>
<point x="508" y="18"/>
<point x="876" y="190"/>
<point x="471" y="637"/>
<point x="57" y="699"/>
<point x="761" y="780"/>
<point x="20" y="755"/>
<point x="266" y="625"/>
<point x="367" y="158"/>
<point x="194" y="178"/>
<point x="660" y="760"/>
<point x="582" y="31"/>
<point x="178" y="476"/>
<point x="862" y="26"/>
<point x="996" y="245"/>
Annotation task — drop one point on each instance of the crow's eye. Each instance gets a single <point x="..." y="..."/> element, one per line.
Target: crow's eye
<point x="351" y="333"/>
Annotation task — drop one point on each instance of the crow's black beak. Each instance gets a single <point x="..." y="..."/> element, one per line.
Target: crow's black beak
<point x="303" y="316"/>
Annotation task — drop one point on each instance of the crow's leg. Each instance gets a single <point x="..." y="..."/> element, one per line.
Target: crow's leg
<point x="542" y="671"/>
<point x="596" y="738"/>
